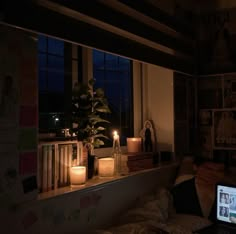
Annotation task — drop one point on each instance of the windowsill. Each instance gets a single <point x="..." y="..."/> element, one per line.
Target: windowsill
<point x="98" y="182"/>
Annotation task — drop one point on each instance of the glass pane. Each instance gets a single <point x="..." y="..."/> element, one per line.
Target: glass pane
<point x="113" y="75"/>
<point x="55" y="63"/>
<point x="42" y="75"/>
<point x="42" y="43"/>
<point x="111" y="62"/>
<point x="55" y="47"/>
<point x="42" y="61"/>
<point x="55" y="74"/>
<point x="55" y="81"/>
<point x="124" y="64"/>
<point x="99" y="77"/>
<point x="42" y="81"/>
<point x="98" y="59"/>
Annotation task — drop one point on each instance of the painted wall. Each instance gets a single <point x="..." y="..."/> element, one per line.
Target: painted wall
<point x="159" y="103"/>
<point x="18" y="116"/>
<point x="80" y="211"/>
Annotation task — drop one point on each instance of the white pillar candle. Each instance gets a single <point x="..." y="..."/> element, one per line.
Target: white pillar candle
<point x="134" y="144"/>
<point x="77" y="175"/>
<point x="106" y="167"/>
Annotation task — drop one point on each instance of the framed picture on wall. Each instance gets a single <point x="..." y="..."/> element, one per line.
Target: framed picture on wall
<point x="224" y="128"/>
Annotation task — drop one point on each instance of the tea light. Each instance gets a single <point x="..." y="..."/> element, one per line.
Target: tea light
<point x="106" y="167"/>
<point x="77" y="175"/>
<point x="134" y="144"/>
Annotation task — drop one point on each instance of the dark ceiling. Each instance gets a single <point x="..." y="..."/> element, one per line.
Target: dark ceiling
<point x="136" y="29"/>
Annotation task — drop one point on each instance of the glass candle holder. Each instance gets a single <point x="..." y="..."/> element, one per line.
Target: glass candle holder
<point x="77" y="175"/>
<point x="106" y="167"/>
<point x="134" y="145"/>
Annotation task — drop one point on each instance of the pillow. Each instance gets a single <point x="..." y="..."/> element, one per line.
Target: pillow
<point x="185" y="171"/>
<point x="156" y="206"/>
<point x="185" y="198"/>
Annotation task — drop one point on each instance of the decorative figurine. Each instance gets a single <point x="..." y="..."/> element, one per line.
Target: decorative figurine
<point x="148" y="135"/>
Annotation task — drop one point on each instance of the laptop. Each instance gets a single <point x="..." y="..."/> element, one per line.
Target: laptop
<point x="225" y="212"/>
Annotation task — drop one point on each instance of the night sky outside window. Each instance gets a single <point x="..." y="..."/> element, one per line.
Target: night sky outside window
<point x="113" y="74"/>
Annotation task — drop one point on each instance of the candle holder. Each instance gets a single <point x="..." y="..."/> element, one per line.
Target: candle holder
<point x="116" y="153"/>
<point x="134" y="145"/>
<point x="77" y="176"/>
<point x="106" y="167"/>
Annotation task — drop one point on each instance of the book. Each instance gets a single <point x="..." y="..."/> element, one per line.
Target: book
<point x="136" y="156"/>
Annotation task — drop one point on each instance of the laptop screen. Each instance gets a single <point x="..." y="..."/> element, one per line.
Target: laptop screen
<point x="226" y="203"/>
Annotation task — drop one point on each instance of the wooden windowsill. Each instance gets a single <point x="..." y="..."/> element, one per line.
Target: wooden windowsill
<point x="98" y="182"/>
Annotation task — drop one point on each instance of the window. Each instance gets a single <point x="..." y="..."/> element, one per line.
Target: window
<point x="60" y="65"/>
<point x="56" y="61"/>
<point x="113" y="74"/>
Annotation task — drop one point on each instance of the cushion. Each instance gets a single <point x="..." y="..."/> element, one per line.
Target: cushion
<point x="185" y="171"/>
<point x="185" y="198"/>
<point x="157" y="206"/>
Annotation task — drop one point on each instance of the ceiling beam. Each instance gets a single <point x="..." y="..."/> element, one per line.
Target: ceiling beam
<point x="121" y="20"/>
<point x="159" y="15"/>
<point x="41" y="20"/>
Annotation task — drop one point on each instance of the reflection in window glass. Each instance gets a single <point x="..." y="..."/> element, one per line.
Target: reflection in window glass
<point x="113" y="74"/>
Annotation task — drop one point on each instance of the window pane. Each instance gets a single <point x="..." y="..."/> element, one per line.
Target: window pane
<point x="111" y="62"/>
<point x="42" y="74"/>
<point x="99" y="77"/>
<point x="55" y="46"/>
<point x="42" y="43"/>
<point x="42" y="81"/>
<point x="113" y="75"/>
<point x="55" y="74"/>
<point x="98" y="59"/>
<point x="124" y="64"/>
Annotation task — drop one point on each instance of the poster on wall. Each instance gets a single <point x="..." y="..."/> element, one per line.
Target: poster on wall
<point x="225" y="129"/>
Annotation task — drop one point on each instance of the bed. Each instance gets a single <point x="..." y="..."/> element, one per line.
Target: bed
<point x="182" y="209"/>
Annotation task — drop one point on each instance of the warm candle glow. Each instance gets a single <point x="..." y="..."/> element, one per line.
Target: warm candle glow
<point x="106" y="167"/>
<point x="77" y="175"/>
<point x="115" y="135"/>
<point x="134" y="144"/>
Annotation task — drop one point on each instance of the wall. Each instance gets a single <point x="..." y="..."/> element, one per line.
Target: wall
<point x="92" y="207"/>
<point x="159" y="103"/>
<point x="18" y="116"/>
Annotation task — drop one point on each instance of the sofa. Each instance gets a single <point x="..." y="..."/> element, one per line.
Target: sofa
<point x="182" y="209"/>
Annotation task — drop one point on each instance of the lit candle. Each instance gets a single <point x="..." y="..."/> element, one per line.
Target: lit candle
<point x="115" y="135"/>
<point x="134" y="144"/>
<point x="77" y="175"/>
<point x="106" y="167"/>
